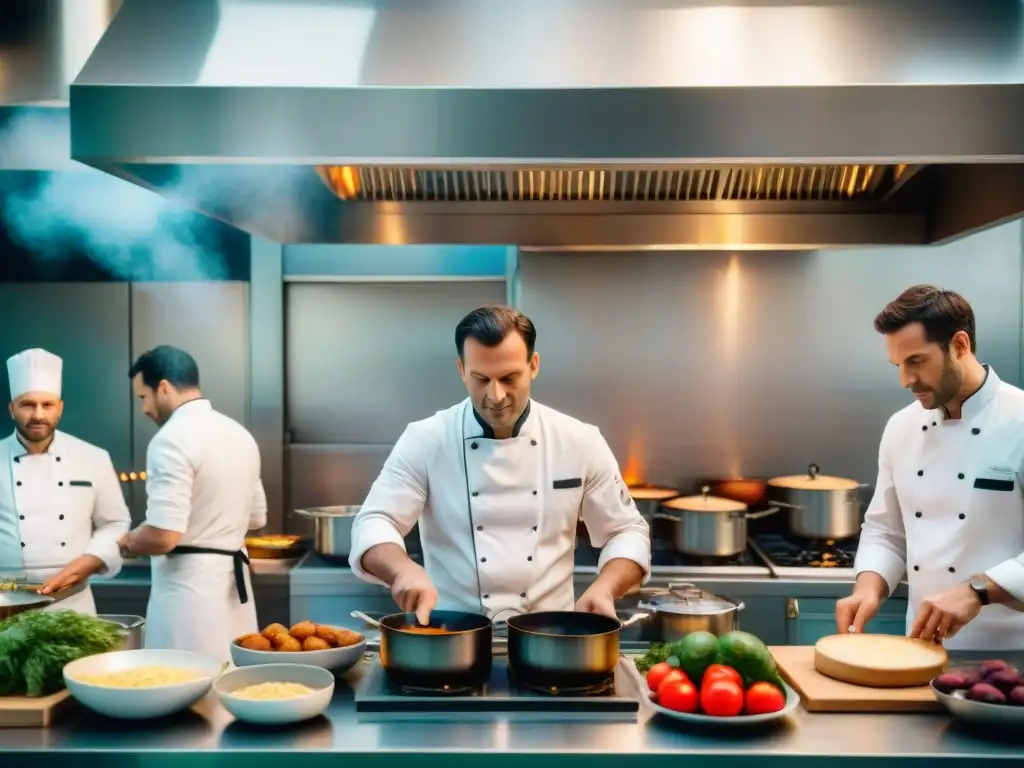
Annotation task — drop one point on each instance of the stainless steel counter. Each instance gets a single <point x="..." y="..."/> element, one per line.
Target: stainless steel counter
<point x="207" y="737"/>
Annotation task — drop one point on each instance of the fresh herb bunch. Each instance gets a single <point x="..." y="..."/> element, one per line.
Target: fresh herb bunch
<point x="657" y="653"/>
<point x="35" y="646"/>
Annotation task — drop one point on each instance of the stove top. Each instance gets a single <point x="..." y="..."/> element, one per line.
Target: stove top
<point x="666" y="559"/>
<point x="793" y="557"/>
<point x="615" y="699"/>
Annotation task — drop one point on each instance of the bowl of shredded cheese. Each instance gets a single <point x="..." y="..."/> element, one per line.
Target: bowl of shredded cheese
<point x="141" y="683"/>
<point x="275" y="694"/>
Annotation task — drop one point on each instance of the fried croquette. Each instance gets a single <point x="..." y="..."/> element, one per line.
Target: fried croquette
<point x="346" y="637"/>
<point x="274" y="629"/>
<point x="302" y="630"/>
<point x="254" y="642"/>
<point x="315" y="644"/>
<point x="285" y="642"/>
<point x="326" y="633"/>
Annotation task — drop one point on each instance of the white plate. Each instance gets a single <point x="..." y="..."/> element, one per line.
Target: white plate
<point x="276" y="711"/>
<point x="979" y="712"/>
<point x="337" y="660"/>
<point x="792" y="702"/>
<point x="138" y="703"/>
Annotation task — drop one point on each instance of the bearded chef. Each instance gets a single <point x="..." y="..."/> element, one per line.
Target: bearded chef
<point x="948" y="508"/>
<point x="497" y="484"/>
<point x="203" y="494"/>
<point x="62" y="510"/>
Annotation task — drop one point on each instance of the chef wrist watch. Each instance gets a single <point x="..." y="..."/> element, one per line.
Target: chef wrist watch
<point x="979" y="586"/>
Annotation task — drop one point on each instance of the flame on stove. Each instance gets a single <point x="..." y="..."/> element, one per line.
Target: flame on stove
<point x="636" y="461"/>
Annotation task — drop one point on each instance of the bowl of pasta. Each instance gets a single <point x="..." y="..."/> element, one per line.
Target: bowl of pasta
<point x="142" y="683"/>
<point x="275" y="694"/>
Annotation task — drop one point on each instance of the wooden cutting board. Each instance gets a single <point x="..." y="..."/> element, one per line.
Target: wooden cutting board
<point x="39" y="712"/>
<point x="823" y="694"/>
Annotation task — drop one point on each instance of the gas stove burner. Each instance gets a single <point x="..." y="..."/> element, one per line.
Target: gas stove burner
<point x="603" y="688"/>
<point x="448" y="690"/>
<point x="791" y="552"/>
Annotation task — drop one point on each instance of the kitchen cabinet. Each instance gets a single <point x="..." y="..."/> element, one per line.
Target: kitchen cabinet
<point x="808" y="619"/>
<point x="210" y="321"/>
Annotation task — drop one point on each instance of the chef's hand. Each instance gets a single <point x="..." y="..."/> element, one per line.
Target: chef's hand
<point x="856" y="610"/>
<point x="80" y="568"/>
<point x="597" y="599"/>
<point x="944" y="614"/>
<point x="414" y="592"/>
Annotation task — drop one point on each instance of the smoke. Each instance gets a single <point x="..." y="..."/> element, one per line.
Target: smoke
<point x="129" y="231"/>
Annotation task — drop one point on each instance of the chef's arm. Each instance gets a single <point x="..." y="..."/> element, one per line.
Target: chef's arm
<point x="613" y="522"/>
<point x="1006" y="580"/>
<point x="110" y="517"/>
<point x="881" y="553"/>
<point x="170" y="474"/>
<point x="391" y="509"/>
<point x="258" y="515"/>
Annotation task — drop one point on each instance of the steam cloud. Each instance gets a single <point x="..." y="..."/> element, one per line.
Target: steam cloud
<point x="133" y="233"/>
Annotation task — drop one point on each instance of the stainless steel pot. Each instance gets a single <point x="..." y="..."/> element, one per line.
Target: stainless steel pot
<point x="133" y="628"/>
<point x="821" y="506"/>
<point x="332" y="535"/>
<point x="684" y="608"/>
<point x="709" y="526"/>
<point x="649" y="497"/>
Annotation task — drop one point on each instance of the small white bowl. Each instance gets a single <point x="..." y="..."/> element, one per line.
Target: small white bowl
<point x="139" y="703"/>
<point x="337" y="660"/>
<point x="276" y="711"/>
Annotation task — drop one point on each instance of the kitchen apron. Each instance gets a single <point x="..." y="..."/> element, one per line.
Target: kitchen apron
<point x="200" y="601"/>
<point x="963" y="513"/>
<point x="505" y="492"/>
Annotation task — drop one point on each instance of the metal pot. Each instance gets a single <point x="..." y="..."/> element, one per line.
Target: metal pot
<point x="133" y="628"/>
<point x="332" y="535"/>
<point x="458" y="658"/>
<point x="649" y="497"/>
<point x="821" y="506"/>
<point x="564" y="650"/>
<point x="709" y="526"/>
<point x="684" y="608"/>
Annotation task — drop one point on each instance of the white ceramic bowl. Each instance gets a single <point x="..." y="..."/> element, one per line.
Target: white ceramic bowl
<point x="276" y="711"/>
<point x="740" y="721"/>
<point x="979" y="712"/>
<point x="337" y="660"/>
<point x="138" y="703"/>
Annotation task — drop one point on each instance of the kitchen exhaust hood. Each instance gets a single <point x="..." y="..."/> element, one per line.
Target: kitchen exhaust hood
<point x="567" y="124"/>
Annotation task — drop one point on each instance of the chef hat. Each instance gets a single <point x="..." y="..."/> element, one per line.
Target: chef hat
<point x="34" y="370"/>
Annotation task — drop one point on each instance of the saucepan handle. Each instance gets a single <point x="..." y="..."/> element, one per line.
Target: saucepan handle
<point x="762" y="513"/>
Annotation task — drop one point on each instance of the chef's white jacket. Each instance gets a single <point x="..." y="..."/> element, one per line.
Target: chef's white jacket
<point x="948" y="505"/>
<point x="59" y="505"/>
<point x="498" y="518"/>
<point x="203" y="481"/>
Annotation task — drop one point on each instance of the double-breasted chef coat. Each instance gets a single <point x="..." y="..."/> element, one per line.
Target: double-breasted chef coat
<point x="948" y="505"/>
<point x="57" y="506"/>
<point x="498" y="517"/>
<point x="203" y="481"/>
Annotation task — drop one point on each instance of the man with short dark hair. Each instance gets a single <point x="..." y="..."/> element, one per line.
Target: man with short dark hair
<point x="203" y="494"/>
<point x="498" y="483"/>
<point x="947" y="508"/>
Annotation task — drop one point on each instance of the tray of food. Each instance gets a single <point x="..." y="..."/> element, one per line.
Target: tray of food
<point x="276" y="546"/>
<point x="990" y="693"/>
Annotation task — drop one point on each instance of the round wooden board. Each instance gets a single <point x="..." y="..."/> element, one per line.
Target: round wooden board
<point x="879" y="661"/>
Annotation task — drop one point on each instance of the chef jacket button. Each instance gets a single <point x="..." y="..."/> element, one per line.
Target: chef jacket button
<point x="924" y="427"/>
<point x="476" y="493"/>
<point x="17" y="460"/>
<point x="483" y="559"/>
<point x="57" y="458"/>
<point x="60" y="482"/>
<point x="952" y="569"/>
<point x="960" y="475"/>
<point x="975" y="431"/>
<point x="918" y="514"/>
<point x="18" y="482"/>
<point x="21" y="517"/>
<point x="917" y="567"/>
<point x="920" y="472"/>
<point x="962" y="516"/>
<point x="62" y="543"/>
<point x="534" y="528"/>
<point x="522" y="594"/>
<point x="530" y="557"/>
<point x="533" y="442"/>
<point x="534" y="493"/>
<point x="487" y="597"/>
<point x="60" y="517"/>
<point x="935" y="423"/>
<point x="473" y="446"/>
<point x="479" y="527"/>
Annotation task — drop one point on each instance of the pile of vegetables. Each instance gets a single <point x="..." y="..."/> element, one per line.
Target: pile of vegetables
<point x="35" y="646"/>
<point x="718" y="676"/>
<point x="993" y="682"/>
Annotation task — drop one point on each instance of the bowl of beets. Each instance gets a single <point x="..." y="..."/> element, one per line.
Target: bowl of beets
<point x="990" y="693"/>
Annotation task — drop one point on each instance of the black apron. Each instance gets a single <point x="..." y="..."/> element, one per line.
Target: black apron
<point x="240" y="558"/>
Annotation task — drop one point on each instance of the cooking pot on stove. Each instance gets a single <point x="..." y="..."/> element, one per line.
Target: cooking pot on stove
<point x="684" y="608"/>
<point x="649" y="497"/>
<point x="820" y="506"/>
<point x="709" y="526"/>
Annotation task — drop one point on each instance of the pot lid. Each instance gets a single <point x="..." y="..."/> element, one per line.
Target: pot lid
<point x="651" y="492"/>
<point x="695" y="604"/>
<point x="813" y="481"/>
<point x="705" y="502"/>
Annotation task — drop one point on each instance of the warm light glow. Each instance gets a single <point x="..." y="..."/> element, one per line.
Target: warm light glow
<point x="634" y="468"/>
<point x="728" y="313"/>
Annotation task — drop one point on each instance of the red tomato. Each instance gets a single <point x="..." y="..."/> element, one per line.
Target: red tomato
<point x="721" y="672"/>
<point x="661" y="672"/>
<point x="721" y="698"/>
<point x="678" y="695"/>
<point x="763" y="698"/>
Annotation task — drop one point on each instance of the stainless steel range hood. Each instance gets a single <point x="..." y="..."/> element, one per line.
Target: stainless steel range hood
<point x="567" y="124"/>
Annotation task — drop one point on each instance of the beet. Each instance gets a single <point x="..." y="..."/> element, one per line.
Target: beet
<point x="1017" y="696"/>
<point x="972" y="677"/>
<point x="986" y="668"/>
<point x="1005" y="680"/>
<point x="985" y="692"/>
<point x="952" y="681"/>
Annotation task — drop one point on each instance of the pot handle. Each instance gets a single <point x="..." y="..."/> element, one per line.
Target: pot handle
<point x="763" y="513"/>
<point x="784" y="505"/>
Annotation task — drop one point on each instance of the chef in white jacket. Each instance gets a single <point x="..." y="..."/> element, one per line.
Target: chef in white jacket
<point x="62" y="509"/>
<point x="948" y="508"/>
<point x="497" y="484"/>
<point x="203" y="494"/>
